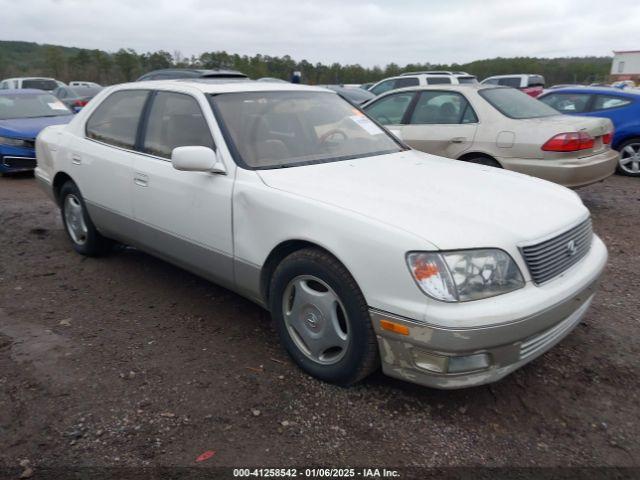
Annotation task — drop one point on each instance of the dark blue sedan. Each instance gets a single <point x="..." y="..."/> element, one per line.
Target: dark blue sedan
<point x="621" y="106"/>
<point x="23" y="113"/>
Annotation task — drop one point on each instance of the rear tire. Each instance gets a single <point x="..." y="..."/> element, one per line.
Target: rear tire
<point x="629" y="162"/>
<point x="322" y="318"/>
<point x="84" y="236"/>
<point x="486" y="161"/>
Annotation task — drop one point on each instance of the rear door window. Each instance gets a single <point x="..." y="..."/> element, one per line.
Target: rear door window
<point x="442" y="108"/>
<point x="406" y="82"/>
<point x="513" y="82"/>
<point x="116" y="119"/>
<point x="568" y="102"/>
<point x="438" y="80"/>
<point x="391" y="109"/>
<point x="175" y="120"/>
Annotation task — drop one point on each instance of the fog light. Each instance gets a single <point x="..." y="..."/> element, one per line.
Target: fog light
<point x="468" y="363"/>
<point x="429" y="361"/>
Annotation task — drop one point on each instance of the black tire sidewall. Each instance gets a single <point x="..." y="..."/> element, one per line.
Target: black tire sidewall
<point x="347" y="369"/>
<point x="95" y="244"/>
<point x="619" y="168"/>
<point x="487" y="162"/>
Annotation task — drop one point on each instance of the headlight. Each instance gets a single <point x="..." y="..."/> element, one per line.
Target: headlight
<point x="13" y="142"/>
<point x="460" y="276"/>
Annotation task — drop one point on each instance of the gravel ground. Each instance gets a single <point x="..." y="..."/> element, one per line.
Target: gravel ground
<point x="129" y="361"/>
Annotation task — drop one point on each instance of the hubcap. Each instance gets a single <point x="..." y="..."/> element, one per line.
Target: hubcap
<point x="316" y="319"/>
<point x="74" y="219"/>
<point x="630" y="158"/>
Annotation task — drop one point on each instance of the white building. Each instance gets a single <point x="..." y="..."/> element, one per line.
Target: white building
<point x="626" y="65"/>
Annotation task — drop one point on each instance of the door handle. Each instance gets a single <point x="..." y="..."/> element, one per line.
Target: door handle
<point x="141" y="179"/>
<point x="458" y="139"/>
<point x="76" y="159"/>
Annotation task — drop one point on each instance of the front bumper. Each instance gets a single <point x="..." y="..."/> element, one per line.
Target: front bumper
<point x="505" y="346"/>
<point x="17" y="163"/>
<point x="572" y="173"/>
<point x="44" y="182"/>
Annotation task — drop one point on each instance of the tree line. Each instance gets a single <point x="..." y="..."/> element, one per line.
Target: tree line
<point x="68" y="63"/>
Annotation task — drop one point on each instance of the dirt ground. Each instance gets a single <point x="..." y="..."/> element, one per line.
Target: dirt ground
<point x="129" y="361"/>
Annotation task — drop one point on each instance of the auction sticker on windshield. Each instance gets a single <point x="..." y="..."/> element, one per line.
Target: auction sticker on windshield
<point x="366" y="124"/>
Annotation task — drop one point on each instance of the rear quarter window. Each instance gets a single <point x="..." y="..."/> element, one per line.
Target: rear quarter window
<point x="606" y="102"/>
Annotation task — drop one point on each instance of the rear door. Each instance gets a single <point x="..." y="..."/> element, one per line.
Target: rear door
<point x="102" y="161"/>
<point x="440" y="122"/>
<point x="182" y="216"/>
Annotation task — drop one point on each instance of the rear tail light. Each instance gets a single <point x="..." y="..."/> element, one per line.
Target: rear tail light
<point x="607" y="137"/>
<point x="569" y="142"/>
<point x="80" y="103"/>
<point x="533" y="91"/>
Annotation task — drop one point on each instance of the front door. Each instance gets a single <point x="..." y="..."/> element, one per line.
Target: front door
<point x="184" y="217"/>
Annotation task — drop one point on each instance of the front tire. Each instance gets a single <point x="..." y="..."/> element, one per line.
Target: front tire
<point x="629" y="162"/>
<point x="322" y="317"/>
<point x="84" y="236"/>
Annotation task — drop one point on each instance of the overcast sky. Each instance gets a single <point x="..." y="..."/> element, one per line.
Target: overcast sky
<point x="369" y="32"/>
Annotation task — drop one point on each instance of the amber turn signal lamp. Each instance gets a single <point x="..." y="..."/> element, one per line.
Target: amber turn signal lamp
<point x="394" y="327"/>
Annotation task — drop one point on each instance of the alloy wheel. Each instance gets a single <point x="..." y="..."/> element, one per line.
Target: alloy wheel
<point x="316" y="319"/>
<point x="630" y="159"/>
<point x="74" y="219"/>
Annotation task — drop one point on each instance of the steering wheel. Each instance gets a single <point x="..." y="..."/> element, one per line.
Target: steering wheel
<point x="331" y="133"/>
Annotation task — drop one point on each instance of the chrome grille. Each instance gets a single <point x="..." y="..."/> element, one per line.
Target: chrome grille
<point x="550" y="258"/>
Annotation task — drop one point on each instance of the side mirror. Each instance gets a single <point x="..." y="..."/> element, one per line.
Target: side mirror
<point x="196" y="159"/>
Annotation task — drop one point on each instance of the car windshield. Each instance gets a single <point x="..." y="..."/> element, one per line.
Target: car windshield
<point x="286" y="129"/>
<point x="40" y="84"/>
<point x="516" y="104"/>
<point x="354" y="95"/>
<point x="24" y="105"/>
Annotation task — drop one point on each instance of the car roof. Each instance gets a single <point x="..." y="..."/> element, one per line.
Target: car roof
<point x="29" y="78"/>
<point x="221" y="85"/>
<point x="199" y="71"/>
<point x="591" y="90"/>
<point x="516" y="75"/>
<point x="454" y="87"/>
<point x="23" y="91"/>
<point x="438" y="73"/>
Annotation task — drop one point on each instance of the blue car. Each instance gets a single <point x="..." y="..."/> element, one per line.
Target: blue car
<point x="23" y="113"/>
<point x="621" y="106"/>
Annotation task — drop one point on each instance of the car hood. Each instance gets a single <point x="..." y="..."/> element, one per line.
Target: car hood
<point x="30" y="127"/>
<point x="450" y="204"/>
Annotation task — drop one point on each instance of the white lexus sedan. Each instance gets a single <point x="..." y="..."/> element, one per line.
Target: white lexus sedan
<point x="365" y="252"/>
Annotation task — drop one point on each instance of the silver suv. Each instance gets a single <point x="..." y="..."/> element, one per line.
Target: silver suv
<point x="414" y="79"/>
